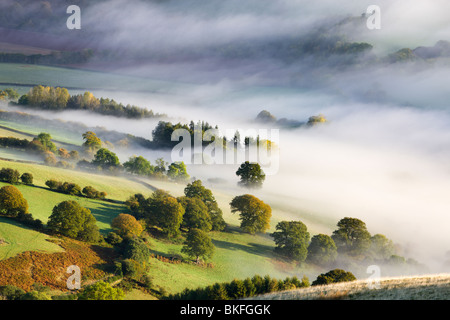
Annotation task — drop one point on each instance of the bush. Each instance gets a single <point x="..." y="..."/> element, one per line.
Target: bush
<point x="137" y="250"/>
<point x="53" y="184"/>
<point x="35" y="295"/>
<point x="101" y="291"/>
<point x="27" y="178"/>
<point x="334" y="276"/>
<point x="11" y="292"/>
<point x="92" y="193"/>
<point x="113" y="238"/>
<point x="9" y="175"/>
<point x="132" y="269"/>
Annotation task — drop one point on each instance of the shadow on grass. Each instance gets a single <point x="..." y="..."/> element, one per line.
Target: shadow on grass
<point x="251" y="248"/>
<point x="105" y="213"/>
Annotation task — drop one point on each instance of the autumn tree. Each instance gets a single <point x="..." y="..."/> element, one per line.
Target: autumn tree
<point x="126" y="225"/>
<point x="254" y="214"/>
<point x="12" y="202"/>
<point x="45" y="139"/>
<point x="91" y="141"/>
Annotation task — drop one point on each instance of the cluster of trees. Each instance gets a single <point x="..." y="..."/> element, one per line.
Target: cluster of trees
<point x="74" y="189"/>
<point x="351" y="240"/>
<point x="43" y="145"/>
<point x="51" y="98"/>
<point x="198" y="209"/>
<point x="138" y="165"/>
<point x="195" y="214"/>
<point x="13" y="176"/>
<point x="131" y="242"/>
<point x="238" y="289"/>
<point x="9" y="94"/>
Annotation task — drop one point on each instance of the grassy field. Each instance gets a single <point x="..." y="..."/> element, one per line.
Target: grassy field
<point x="28" y="131"/>
<point x="117" y="188"/>
<point x="19" y="239"/>
<point x="423" y="287"/>
<point x="42" y="201"/>
<point x="22" y="75"/>
<point x="237" y="256"/>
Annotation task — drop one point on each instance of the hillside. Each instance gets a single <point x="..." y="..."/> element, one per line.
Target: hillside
<point x="423" y="287"/>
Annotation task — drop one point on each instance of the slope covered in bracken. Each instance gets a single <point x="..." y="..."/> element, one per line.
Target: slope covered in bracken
<point x="27" y="268"/>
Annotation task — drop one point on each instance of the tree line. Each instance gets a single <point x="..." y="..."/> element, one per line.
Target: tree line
<point x="57" y="98"/>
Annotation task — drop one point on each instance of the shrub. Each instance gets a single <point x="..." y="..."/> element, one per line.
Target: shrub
<point x="334" y="276"/>
<point x="11" y="292"/>
<point x="137" y="250"/>
<point x="35" y="295"/>
<point x="92" y="193"/>
<point x="27" y="178"/>
<point x="101" y="291"/>
<point x="9" y="175"/>
<point x="53" y="184"/>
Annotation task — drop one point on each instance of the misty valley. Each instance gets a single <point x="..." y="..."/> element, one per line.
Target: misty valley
<point x="181" y="150"/>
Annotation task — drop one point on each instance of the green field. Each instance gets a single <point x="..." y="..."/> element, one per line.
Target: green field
<point x="21" y="76"/>
<point x="28" y="131"/>
<point x="19" y="239"/>
<point x="117" y="188"/>
<point x="237" y="254"/>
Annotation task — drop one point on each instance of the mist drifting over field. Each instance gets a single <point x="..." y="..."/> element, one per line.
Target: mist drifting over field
<point x="383" y="157"/>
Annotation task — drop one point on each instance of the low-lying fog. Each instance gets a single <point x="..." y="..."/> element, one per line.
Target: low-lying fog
<point x="383" y="156"/>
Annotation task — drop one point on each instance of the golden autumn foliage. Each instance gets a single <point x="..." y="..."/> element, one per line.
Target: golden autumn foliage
<point x="127" y="225"/>
<point x="27" y="268"/>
